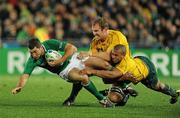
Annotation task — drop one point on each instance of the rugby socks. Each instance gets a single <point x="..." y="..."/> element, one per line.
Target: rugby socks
<point x="169" y="91"/>
<point x="92" y="89"/>
<point x="75" y="90"/>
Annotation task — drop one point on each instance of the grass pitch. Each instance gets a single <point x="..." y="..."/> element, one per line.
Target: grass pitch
<point x="43" y="95"/>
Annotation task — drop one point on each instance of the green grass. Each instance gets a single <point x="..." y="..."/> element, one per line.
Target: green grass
<point x="42" y="97"/>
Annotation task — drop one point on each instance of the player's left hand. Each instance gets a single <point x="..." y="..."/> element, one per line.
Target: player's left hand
<point x="16" y="90"/>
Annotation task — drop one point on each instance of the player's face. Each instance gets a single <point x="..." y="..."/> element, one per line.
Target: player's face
<point x="98" y="32"/>
<point x="35" y="53"/>
<point x="116" y="57"/>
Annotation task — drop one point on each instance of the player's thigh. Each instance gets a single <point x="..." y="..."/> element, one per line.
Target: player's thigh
<point x="151" y="81"/>
<point x="74" y="75"/>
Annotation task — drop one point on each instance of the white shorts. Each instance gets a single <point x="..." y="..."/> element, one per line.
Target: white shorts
<point x="74" y="63"/>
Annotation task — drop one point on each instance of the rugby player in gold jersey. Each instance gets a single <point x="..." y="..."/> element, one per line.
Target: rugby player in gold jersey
<point x="104" y="40"/>
<point x="142" y="69"/>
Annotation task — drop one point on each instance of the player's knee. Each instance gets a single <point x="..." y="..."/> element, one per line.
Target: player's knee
<point x="84" y="79"/>
<point x="159" y="86"/>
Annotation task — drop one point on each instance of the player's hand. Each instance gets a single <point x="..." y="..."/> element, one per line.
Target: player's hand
<point x="53" y="63"/>
<point x="127" y="76"/>
<point x="82" y="55"/>
<point x="87" y="71"/>
<point x="16" y="90"/>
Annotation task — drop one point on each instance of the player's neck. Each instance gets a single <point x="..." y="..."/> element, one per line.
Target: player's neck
<point x="104" y="37"/>
<point x="42" y="51"/>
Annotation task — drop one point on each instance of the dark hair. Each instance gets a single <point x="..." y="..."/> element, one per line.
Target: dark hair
<point x="120" y="47"/>
<point x="34" y="42"/>
<point x="101" y="21"/>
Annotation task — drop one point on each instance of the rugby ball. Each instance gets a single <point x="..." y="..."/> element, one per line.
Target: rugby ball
<point x="52" y="55"/>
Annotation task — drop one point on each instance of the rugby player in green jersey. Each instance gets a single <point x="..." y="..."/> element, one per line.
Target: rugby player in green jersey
<point x="67" y="67"/>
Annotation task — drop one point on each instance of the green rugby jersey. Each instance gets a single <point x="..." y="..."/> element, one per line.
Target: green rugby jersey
<point x="52" y="44"/>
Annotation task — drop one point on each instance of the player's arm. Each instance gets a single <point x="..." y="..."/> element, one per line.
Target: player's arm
<point x="103" y="55"/>
<point x="21" y="83"/>
<point x="108" y="74"/>
<point x="69" y="51"/>
<point x="30" y="65"/>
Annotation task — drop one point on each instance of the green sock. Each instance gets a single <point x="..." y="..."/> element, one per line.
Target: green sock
<point x="92" y="89"/>
<point x="169" y="91"/>
<point x="75" y="90"/>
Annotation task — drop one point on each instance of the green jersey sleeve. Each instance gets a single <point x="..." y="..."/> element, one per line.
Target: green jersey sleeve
<point x="54" y="44"/>
<point x="30" y="65"/>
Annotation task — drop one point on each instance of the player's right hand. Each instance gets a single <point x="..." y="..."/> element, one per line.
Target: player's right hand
<point x="128" y="76"/>
<point x="16" y="90"/>
<point x="82" y="55"/>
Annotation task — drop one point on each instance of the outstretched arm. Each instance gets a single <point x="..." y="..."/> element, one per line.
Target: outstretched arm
<point x="113" y="74"/>
<point x="21" y="83"/>
<point x="97" y="63"/>
<point x="103" y="55"/>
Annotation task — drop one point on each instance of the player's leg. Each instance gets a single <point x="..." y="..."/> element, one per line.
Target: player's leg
<point x="156" y="85"/>
<point x="153" y="83"/>
<point x="166" y="89"/>
<point x="91" y="62"/>
<point x="76" y="87"/>
<point x="75" y="75"/>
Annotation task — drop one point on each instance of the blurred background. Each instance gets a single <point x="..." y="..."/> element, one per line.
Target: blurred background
<point x="152" y="28"/>
<point x="146" y="23"/>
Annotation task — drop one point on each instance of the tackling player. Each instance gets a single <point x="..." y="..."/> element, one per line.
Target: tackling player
<point x="104" y="40"/>
<point x="140" y="67"/>
<point x="67" y="67"/>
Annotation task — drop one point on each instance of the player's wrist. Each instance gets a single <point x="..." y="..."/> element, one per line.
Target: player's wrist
<point x="94" y="72"/>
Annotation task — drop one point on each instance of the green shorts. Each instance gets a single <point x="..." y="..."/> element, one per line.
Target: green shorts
<point x="151" y="80"/>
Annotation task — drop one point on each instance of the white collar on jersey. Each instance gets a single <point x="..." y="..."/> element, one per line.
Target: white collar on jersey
<point x="44" y="48"/>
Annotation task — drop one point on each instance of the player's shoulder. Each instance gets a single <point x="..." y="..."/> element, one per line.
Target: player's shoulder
<point x="49" y="41"/>
<point x="116" y="32"/>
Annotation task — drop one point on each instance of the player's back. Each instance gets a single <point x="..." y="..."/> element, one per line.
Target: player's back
<point x="135" y="66"/>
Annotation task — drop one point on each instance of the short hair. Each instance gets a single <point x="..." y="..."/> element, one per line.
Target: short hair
<point x="101" y="21"/>
<point x="34" y="42"/>
<point x="121" y="48"/>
